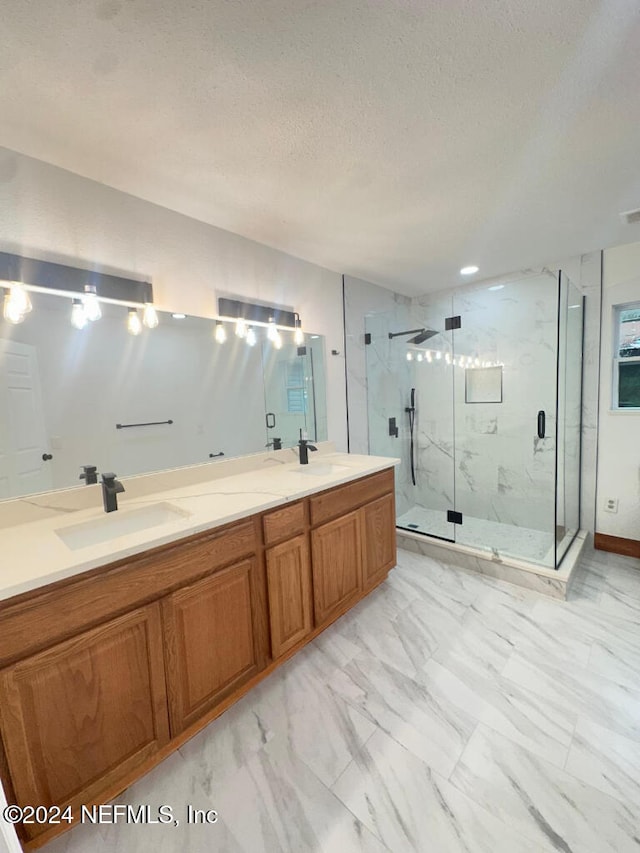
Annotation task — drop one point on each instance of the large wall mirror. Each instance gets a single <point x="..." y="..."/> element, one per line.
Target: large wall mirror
<point x="63" y="391"/>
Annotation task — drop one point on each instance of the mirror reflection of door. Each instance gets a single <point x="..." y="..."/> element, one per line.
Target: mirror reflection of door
<point x="23" y="435"/>
<point x="289" y="393"/>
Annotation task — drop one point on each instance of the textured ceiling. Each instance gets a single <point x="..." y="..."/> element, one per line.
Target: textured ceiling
<point x="395" y="141"/>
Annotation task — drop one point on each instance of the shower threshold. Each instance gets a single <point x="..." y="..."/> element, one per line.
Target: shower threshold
<point x="431" y="536"/>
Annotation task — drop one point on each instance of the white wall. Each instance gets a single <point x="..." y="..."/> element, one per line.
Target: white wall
<point x="619" y="431"/>
<point x="52" y="214"/>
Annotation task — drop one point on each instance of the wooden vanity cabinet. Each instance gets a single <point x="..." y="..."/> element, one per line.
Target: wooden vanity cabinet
<point x="85" y="712"/>
<point x="289" y="584"/>
<point x="212" y="646"/>
<point x="107" y="673"/>
<point x="337" y="566"/>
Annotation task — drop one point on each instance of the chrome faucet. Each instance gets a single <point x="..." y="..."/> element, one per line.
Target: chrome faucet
<point x="111" y="488"/>
<point x="305" y="447"/>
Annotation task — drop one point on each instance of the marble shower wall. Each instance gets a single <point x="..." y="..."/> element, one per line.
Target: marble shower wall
<point x="390" y="378"/>
<point x="362" y="300"/>
<point x="503" y="471"/>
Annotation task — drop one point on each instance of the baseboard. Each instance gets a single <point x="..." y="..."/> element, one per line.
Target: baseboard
<point x="617" y="545"/>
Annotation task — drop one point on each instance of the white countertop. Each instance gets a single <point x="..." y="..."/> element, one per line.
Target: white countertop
<point x="34" y="555"/>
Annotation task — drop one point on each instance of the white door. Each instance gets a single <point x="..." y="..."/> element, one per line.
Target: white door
<point x="23" y="436"/>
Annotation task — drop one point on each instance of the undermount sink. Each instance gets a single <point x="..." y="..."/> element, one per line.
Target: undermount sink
<point x="322" y="469"/>
<point x="116" y="524"/>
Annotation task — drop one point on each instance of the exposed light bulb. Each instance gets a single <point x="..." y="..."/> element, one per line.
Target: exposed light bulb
<point x="134" y="324"/>
<point x="220" y="333"/>
<point x="429" y="356"/>
<point x="419" y="357"/>
<point x="470" y="270"/>
<point x="438" y="355"/>
<point x="447" y="358"/>
<point x="272" y="331"/>
<point x="409" y="356"/>
<point x="241" y="328"/>
<point x="91" y="305"/>
<point x="179" y="316"/>
<point x="11" y="312"/>
<point x="150" y="316"/>
<point x="277" y="341"/>
<point x="78" y="314"/>
<point x="251" y="336"/>
<point x="298" y="336"/>
<point x="20" y="298"/>
<point x="477" y="362"/>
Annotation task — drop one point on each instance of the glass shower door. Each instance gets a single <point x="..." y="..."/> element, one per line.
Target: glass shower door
<point x="410" y="409"/>
<point x="505" y="417"/>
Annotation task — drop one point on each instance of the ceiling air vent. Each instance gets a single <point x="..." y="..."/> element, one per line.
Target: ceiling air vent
<point x="630" y="217"/>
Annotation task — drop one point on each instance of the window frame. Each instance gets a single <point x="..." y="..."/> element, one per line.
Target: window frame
<point x="618" y="360"/>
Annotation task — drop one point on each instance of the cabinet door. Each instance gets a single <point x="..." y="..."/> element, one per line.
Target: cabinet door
<point x="82" y="714"/>
<point x="289" y="581"/>
<point x="211" y="646"/>
<point x="337" y="566"/>
<point x="379" y="545"/>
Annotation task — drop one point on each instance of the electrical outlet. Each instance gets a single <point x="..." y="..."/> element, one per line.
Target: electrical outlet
<point x="611" y="505"/>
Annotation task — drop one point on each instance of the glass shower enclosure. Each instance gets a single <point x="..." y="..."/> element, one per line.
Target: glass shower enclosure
<point x="478" y="391"/>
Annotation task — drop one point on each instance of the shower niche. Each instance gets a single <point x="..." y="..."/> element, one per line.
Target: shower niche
<point x="484" y="384"/>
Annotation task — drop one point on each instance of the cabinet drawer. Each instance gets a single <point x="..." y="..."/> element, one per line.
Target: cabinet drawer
<point x="284" y="523"/>
<point x="342" y="499"/>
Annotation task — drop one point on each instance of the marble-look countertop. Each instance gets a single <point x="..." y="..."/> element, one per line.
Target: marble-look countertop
<point x="34" y="555"/>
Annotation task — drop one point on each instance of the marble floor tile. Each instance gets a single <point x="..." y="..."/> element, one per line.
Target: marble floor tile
<point x="542" y="802"/>
<point x="297" y="704"/>
<point x="617" y="659"/>
<point x="435" y="716"/>
<point x="226" y="744"/>
<point x="422" y="720"/>
<point x="410" y="807"/>
<point x="276" y="804"/>
<point x="606" y="760"/>
<point x="520" y="714"/>
<point x="580" y="693"/>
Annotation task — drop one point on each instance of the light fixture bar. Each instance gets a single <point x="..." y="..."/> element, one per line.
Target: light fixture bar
<point x="63" y="280"/>
<point x="257" y="315"/>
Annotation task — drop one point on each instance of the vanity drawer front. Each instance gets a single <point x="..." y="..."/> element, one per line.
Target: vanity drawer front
<point x="37" y="622"/>
<point x="343" y="499"/>
<point x="284" y="523"/>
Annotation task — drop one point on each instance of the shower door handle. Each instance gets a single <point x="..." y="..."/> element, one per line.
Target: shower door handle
<point x="270" y="418"/>
<point x="541" y="423"/>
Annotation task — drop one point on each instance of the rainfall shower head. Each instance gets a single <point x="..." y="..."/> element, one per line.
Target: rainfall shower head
<point x="421" y="336"/>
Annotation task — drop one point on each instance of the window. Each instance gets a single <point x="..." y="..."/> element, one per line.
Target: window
<point x="626" y="359"/>
<point x="296" y="393"/>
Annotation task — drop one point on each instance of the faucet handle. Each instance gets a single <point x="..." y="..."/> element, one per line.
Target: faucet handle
<point x="89" y="473"/>
<point x="111" y="482"/>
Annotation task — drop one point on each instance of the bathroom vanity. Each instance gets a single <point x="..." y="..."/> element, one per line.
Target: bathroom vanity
<point x="108" y="665"/>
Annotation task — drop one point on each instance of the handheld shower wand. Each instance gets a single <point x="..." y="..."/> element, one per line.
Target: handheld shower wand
<point x="411" y="410"/>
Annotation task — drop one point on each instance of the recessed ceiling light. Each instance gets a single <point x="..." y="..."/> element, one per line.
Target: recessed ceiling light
<point x="179" y="316"/>
<point x="496" y="287"/>
<point x="469" y="270"/>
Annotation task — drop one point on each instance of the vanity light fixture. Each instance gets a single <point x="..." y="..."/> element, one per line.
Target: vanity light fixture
<point x="134" y="324"/>
<point x="150" y="316"/>
<point x="221" y="332"/>
<point x="241" y="328"/>
<point x="470" y="270"/>
<point x="251" y="336"/>
<point x="298" y="335"/>
<point x="17" y="304"/>
<point x="79" y="317"/>
<point x="92" y="308"/>
<point x="272" y="330"/>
